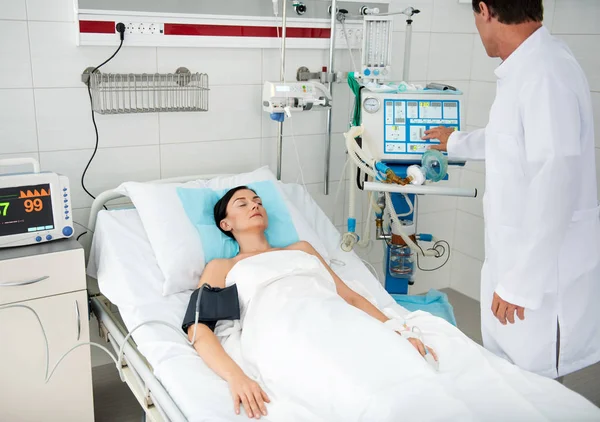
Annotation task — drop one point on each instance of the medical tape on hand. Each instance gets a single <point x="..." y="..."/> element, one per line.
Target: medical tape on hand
<point x="404" y="330"/>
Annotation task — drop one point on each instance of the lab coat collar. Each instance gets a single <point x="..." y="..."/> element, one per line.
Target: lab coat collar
<point x="522" y="51"/>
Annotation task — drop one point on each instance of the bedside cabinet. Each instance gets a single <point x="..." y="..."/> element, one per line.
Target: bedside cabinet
<point x="50" y="279"/>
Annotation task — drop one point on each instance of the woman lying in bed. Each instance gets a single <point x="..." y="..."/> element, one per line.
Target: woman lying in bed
<point x="241" y="216"/>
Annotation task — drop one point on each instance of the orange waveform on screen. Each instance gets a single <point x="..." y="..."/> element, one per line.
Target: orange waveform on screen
<point x="35" y="194"/>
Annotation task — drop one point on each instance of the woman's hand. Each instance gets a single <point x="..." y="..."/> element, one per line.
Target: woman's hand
<point x="249" y="393"/>
<point x="418" y="344"/>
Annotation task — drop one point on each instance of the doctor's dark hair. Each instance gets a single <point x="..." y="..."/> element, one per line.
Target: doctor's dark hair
<point x="220" y="211"/>
<point x="513" y="11"/>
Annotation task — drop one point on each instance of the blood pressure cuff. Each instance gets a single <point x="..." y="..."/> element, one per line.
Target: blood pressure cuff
<point x="212" y="304"/>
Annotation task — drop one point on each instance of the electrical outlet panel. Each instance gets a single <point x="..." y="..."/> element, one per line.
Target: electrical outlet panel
<point x="145" y="28"/>
<point x="354" y="33"/>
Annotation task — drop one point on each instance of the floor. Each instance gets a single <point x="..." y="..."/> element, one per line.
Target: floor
<point x="114" y="402"/>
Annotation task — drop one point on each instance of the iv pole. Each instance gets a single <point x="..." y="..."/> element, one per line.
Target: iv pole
<point x="330" y="87"/>
<point x="282" y="77"/>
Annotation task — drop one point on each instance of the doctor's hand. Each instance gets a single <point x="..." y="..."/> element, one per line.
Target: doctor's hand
<point x="249" y="393"/>
<point x="440" y="133"/>
<point x="504" y="310"/>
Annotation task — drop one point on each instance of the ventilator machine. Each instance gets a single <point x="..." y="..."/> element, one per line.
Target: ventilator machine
<point x="390" y="161"/>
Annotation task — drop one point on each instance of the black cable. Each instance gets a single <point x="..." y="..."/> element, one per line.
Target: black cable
<point x="94" y="120"/>
<point x="120" y="27"/>
<point x="436" y="245"/>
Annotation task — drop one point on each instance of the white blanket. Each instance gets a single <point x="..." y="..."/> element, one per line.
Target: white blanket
<point x="320" y="359"/>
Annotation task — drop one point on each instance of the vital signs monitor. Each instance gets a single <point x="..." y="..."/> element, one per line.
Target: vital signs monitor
<point x="35" y="207"/>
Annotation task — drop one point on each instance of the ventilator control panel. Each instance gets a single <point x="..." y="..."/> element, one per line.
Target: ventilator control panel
<point x="394" y="124"/>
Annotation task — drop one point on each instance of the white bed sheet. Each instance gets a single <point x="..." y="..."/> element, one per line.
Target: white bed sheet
<point x="128" y="275"/>
<point x="123" y="261"/>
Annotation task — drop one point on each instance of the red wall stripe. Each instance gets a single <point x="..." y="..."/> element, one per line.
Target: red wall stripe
<point x="97" y="27"/>
<point x="104" y="27"/>
<point x="242" y="31"/>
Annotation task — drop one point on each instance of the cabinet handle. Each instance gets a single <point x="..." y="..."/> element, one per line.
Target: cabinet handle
<point x="78" y="320"/>
<point x="24" y="283"/>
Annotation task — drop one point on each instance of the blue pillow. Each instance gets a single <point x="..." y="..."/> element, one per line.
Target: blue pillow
<point x="199" y="206"/>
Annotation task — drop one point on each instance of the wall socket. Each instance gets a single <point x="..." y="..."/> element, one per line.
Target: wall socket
<point x="145" y="28"/>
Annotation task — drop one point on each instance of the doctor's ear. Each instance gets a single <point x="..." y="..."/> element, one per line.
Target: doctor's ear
<point x="484" y="11"/>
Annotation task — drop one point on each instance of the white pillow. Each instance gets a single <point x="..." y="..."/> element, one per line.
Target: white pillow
<point x="174" y="239"/>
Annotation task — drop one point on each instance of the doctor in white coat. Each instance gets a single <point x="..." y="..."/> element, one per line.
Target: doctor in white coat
<point x="540" y="282"/>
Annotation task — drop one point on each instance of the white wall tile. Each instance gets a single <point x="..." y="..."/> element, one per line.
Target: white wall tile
<point x="585" y="50"/>
<point x="441" y="225"/>
<point x="432" y="203"/>
<point x="466" y="275"/>
<point x="224" y="66"/>
<point x="453" y="17"/>
<point x="450" y="57"/>
<point x="17" y="121"/>
<point x="58" y="62"/>
<point x="483" y="66"/>
<point x="64" y="122"/>
<point x="342" y="61"/>
<point x="596" y="107"/>
<point x="421" y="21"/>
<point x="111" y="167"/>
<point x="419" y="56"/>
<point x="210" y="157"/>
<point x="481" y="98"/>
<point x="294" y="58"/>
<point x="576" y="17"/>
<point x="471" y="179"/>
<point x="234" y="112"/>
<point x="549" y="6"/>
<point x="15" y="64"/>
<point x="334" y="210"/>
<point x="51" y="10"/>
<point x="81" y="217"/>
<point x="469" y="235"/>
<point x="18" y="169"/>
<point x="13" y="9"/>
<point x="311" y="152"/>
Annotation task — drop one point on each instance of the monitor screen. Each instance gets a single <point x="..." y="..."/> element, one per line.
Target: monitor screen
<point x="25" y="209"/>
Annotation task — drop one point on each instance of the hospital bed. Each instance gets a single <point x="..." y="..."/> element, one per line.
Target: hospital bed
<point x="165" y="374"/>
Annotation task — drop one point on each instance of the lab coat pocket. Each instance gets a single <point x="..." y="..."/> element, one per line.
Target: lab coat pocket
<point x="580" y="251"/>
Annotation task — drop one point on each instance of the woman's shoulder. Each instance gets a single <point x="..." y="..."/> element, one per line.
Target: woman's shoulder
<point x="215" y="272"/>
<point x="301" y="245"/>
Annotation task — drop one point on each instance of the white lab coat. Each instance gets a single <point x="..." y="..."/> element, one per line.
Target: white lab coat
<point x="542" y="224"/>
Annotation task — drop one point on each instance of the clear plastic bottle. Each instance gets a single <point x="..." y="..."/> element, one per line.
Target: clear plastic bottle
<point x="401" y="261"/>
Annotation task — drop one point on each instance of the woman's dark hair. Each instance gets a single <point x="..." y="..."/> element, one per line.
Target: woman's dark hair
<point x="513" y="11"/>
<point x="220" y="210"/>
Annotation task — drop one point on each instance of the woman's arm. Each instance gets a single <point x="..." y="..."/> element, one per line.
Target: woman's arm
<point x="357" y="300"/>
<point x="343" y="290"/>
<point x="243" y="389"/>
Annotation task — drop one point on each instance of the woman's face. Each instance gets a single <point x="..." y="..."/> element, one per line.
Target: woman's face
<point x="245" y="212"/>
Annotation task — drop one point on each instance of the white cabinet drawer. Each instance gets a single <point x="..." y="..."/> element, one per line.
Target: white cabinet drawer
<point x="24" y="396"/>
<point x="35" y="276"/>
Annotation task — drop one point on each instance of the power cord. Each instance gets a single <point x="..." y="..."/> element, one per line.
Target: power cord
<point x="121" y="30"/>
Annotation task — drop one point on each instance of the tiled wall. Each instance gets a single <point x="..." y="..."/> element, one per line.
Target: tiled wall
<point x="577" y="22"/>
<point x="44" y="111"/>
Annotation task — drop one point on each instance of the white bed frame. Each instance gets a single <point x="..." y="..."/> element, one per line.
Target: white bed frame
<point x="138" y="374"/>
